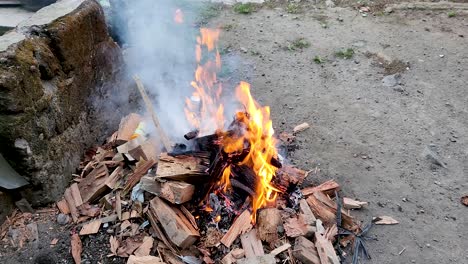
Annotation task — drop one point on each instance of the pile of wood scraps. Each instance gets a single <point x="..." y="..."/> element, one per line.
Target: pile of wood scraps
<point x="162" y="207"/>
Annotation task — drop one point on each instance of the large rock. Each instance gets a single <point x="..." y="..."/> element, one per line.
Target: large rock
<point x="58" y="72"/>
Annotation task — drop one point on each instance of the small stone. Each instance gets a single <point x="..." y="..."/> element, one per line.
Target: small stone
<point x="357" y="62"/>
<point x="413" y="261"/>
<point x="32" y="68"/>
<point x="441" y="55"/>
<point x="243" y="49"/>
<point x="110" y="231"/>
<point x="428" y="245"/>
<point x="391" y="80"/>
<point x="340" y="19"/>
<point x="63" y="219"/>
<point x="404" y="200"/>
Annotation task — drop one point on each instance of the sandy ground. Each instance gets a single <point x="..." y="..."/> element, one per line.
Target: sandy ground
<point x="370" y="137"/>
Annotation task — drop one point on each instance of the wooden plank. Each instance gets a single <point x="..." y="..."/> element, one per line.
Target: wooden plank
<point x="94" y="185"/>
<point x="325" y="250"/>
<point x="179" y="168"/>
<point x="241" y="225"/>
<point x="280" y="249"/>
<point x="267" y="224"/>
<point x="158" y="231"/>
<point x="71" y="204"/>
<point x="76" y="194"/>
<point x="305" y="251"/>
<point x="177" y="227"/>
<point x="62" y="205"/>
<point x="91" y="228"/>
<point x="172" y="191"/>
<point x="306" y="213"/>
<point x="114" y="178"/>
<point x="127" y="128"/>
<point x="328" y="186"/>
<point x="118" y="205"/>
<point x="320" y="210"/>
<point x="251" y="244"/>
<point x="347" y="220"/>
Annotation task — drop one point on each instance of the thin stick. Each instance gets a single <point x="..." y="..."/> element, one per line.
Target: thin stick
<point x="149" y="107"/>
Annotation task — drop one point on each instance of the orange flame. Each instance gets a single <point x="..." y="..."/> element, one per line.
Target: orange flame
<point x="179" y="16"/>
<point x="205" y="111"/>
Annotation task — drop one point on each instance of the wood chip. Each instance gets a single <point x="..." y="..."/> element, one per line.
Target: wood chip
<point x="305" y="251"/>
<point x="349" y="203"/>
<point x="384" y="220"/>
<point x="144" y="260"/>
<point x="301" y="127"/>
<point x="325" y="250"/>
<point x="71" y="204"/>
<point x="91" y="228"/>
<point x="54" y="241"/>
<point x="280" y="249"/>
<point x="241" y="225"/>
<point x="114" y="245"/>
<point x="76" y="248"/>
<point x="145" y="248"/>
<point x="94" y="185"/>
<point x="268" y="221"/>
<point x="63" y="206"/>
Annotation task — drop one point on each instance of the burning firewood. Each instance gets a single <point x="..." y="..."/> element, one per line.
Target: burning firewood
<point x="180" y="168"/>
<point x="326" y="187"/>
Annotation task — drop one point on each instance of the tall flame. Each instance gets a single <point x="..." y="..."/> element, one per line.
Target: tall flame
<point x="205" y="111"/>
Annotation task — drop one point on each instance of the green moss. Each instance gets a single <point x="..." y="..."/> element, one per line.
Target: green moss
<point x="242" y="8"/>
<point x="298" y="44"/>
<point x="452" y="14"/>
<point x="293" y="8"/>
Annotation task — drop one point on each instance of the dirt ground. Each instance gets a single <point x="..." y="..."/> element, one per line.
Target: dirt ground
<point x="373" y="137"/>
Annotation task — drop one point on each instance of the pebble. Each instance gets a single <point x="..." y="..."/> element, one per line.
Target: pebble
<point x="441" y="55"/>
<point x="243" y="49"/>
<point x="391" y="80"/>
<point x="63" y="219"/>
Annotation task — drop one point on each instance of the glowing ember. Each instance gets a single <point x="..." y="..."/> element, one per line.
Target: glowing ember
<point x="205" y="111"/>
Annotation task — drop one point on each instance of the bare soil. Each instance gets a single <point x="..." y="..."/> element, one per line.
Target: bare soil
<point x="373" y="139"/>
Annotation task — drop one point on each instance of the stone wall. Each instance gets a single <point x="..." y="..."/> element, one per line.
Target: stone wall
<point x="58" y="72"/>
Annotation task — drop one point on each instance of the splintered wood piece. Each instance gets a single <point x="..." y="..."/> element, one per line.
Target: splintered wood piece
<point x="326" y="187"/>
<point x="141" y="169"/>
<point x="280" y="249"/>
<point x="149" y="107"/>
<point x="118" y="205"/>
<point x="114" y="177"/>
<point x="267" y="225"/>
<point x="76" y="194"/>
<point x="158" y="231"/>
<point x="320" y="210"/>
<point x="306" y="213"/>
<point x="331" y="232"/>
<point x="179" y="168"/>
<point x="384" y="220"/>
<point x="91" y="228"/>
<point x="89" y="210"/>
<point x="172" y="191"/>
<point x="71" y="204"/>
<point x="241" y="225"/>
<point x="127" y="128"/>
<point x="295" y="227"/>
<point x="76" y="248"/>
<point x="251" y="244"/>
<point x="148" y="150"/>
<point x="144" y="260"/>
<point x="349" y="203"/>
<point x="291" y="175"/>
<point x="325" y="250"/>
<point x="94" y="185"/>
<point x="145" y="248"/>
<point x="305" y="251"/>
<point x="189" y="216"/>
<point x="63" y="206"/>
<point x="347" y="220"/>
<point x="301" y="127"/>
<point x="177" y="227"/>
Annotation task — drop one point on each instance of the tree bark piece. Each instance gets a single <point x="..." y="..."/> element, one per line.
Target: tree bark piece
<point x="305" y="251"/>
<point x="384" y="220"/>
<point x="251" y="244"/>
<point x="76" y="248"/>
<point x="241" y="225"/>
<point x="267" y="224"/>
<point x="63" y="206"/>
<point x="94" y="185"/>
<point x="145" y="248"/>
<point x="320" y="210"/>
<point x="177" y="227"/>
<point x="325" y="250"/>
<point x="301" y="127"/>
<point x="326" y="187"/>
